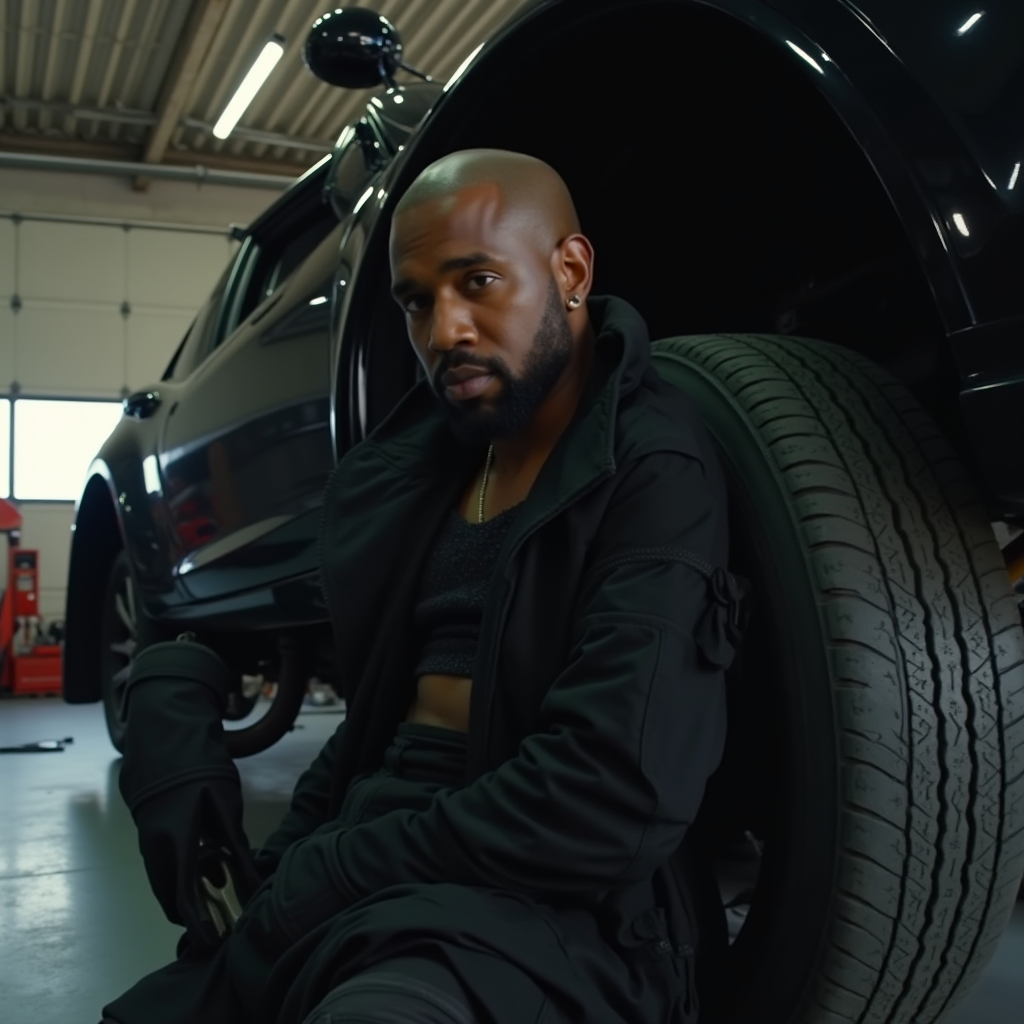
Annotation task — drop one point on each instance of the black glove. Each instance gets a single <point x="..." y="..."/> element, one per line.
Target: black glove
<point x="180" y="784"/>
<point x="171" y="827"/>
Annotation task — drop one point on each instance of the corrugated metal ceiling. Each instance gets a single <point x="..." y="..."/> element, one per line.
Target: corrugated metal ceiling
<point x="126" y="62"/>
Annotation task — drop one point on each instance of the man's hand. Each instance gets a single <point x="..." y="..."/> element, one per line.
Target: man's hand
<point x="171" y="827"/>
<point x="180" y="784"/>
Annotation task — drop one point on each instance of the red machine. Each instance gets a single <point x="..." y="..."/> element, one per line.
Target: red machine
<point x="30" y="664"/>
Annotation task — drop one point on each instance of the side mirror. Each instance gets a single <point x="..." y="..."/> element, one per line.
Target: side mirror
<point x="355" y="48"/>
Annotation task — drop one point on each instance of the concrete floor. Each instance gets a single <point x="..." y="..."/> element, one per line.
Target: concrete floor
<point x="78" y="924"/>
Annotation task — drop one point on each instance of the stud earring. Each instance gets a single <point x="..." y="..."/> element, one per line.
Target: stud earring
<point x="573" y="302"/>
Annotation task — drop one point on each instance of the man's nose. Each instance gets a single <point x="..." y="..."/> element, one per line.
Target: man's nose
<point x="450" y="325"/>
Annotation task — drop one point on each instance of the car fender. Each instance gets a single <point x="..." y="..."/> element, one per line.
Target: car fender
<point x="114" y="512"/>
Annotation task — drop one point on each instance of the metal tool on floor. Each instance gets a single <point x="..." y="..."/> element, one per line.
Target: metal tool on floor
<point x="39" y="747"/>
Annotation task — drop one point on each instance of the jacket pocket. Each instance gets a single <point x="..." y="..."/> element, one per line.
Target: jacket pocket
<point x="666" y="968"/>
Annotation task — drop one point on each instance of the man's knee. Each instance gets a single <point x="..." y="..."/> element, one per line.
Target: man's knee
<point x="410" y="990"/>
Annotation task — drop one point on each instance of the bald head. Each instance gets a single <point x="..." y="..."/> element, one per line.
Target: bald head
<point x="492" y="273"/>
<point x="529" y="193"/>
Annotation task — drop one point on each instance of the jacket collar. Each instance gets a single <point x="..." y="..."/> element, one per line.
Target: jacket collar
<point x="622" y="354"/>
<point x="417" y="440"/>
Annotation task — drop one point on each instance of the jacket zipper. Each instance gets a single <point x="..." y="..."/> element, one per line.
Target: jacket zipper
<point x="496" y="645"/>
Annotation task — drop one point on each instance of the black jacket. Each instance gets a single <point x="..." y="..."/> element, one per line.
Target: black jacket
<point x="597" y="715"/>
<point x="598" y="703"/>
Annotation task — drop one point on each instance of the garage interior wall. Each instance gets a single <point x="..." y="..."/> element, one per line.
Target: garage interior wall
<point x="95" y="310"/>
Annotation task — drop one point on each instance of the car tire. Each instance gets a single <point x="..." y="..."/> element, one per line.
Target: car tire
<point x="876" y="750"/>
<point x="125" y="629"/>
<point x="119" y="640"/>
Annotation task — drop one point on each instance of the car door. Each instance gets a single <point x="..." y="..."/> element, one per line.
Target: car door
<point x="246" y="448"/>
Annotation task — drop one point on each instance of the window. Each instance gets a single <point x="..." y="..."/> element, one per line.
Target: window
<point x="54" y="442"/>
<point x="278" y="269"/>
<point x="5" y="447"/>
<point x="274" y="260"/>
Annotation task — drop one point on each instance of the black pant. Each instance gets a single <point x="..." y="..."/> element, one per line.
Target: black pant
<point x="421" y="760"/>
<point x="459" y="956"/>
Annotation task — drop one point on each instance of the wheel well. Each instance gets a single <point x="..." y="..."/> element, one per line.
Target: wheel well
<point x="721" y="190"/>
<point x="95" y="543"/>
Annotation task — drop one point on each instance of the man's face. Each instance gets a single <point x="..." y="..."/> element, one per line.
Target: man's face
<point x="483" y="310"/>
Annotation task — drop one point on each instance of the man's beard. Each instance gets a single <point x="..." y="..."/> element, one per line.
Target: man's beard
<point x="477" y="420"/>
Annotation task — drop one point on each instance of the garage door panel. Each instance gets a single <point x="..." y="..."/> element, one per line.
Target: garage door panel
<point x="7" y="231"/>
<point x="70" y="349"/>
<point x="174" y="268"/>
<point x="8" y="326"/>
<point x="153" y="336"/>
<point x="79" y="262"/>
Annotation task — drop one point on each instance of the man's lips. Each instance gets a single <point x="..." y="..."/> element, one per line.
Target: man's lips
<point x="462" y="373"/>
<point x="469" y="388"/>
<point x="462" y="382"/>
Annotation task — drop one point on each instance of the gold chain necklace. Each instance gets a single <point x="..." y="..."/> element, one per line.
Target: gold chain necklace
<point x="483" y="483"/>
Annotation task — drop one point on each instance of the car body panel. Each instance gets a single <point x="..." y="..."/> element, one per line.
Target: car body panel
<point x="255" y="412"/>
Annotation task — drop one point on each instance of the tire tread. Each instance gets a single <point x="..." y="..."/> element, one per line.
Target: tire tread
<point x="838" y="428"/>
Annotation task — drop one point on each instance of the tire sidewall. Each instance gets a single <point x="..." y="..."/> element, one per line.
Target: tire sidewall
<point x="120" y="570"/>
<point x="789" y="918"/>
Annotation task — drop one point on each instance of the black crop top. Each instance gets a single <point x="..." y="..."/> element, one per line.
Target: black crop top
<point x="450" y="602"/>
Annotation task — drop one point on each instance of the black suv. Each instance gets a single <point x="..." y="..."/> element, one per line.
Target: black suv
<point x="817" y="205"/>
<point x="201" y="509"/>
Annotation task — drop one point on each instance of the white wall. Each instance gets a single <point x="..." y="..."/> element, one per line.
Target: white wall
<point x="102" y="307"/>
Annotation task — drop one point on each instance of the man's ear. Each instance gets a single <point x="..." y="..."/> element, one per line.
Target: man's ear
<point x="573" y="266"/>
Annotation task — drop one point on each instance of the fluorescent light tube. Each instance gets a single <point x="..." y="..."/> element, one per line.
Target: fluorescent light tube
<point x="251" y="84"/>
<point x="969" y="23"/>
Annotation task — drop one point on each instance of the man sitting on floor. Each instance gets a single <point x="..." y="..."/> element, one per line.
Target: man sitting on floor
<point x="524" y="566"/>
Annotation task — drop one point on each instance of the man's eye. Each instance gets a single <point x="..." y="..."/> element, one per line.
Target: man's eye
<point x="415" y="304"/>
<point x="479" y="281"/>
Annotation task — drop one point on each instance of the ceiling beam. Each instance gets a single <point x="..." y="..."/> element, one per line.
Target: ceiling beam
<point x="15" y="142"/>
<point x="122" y="115"/>
<point x="198" y="174"/>
<point x="18" y="143"/>
<point x="117" y="115"/>
<point x="223" y="162"/>
<point x="203" y="20"/>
